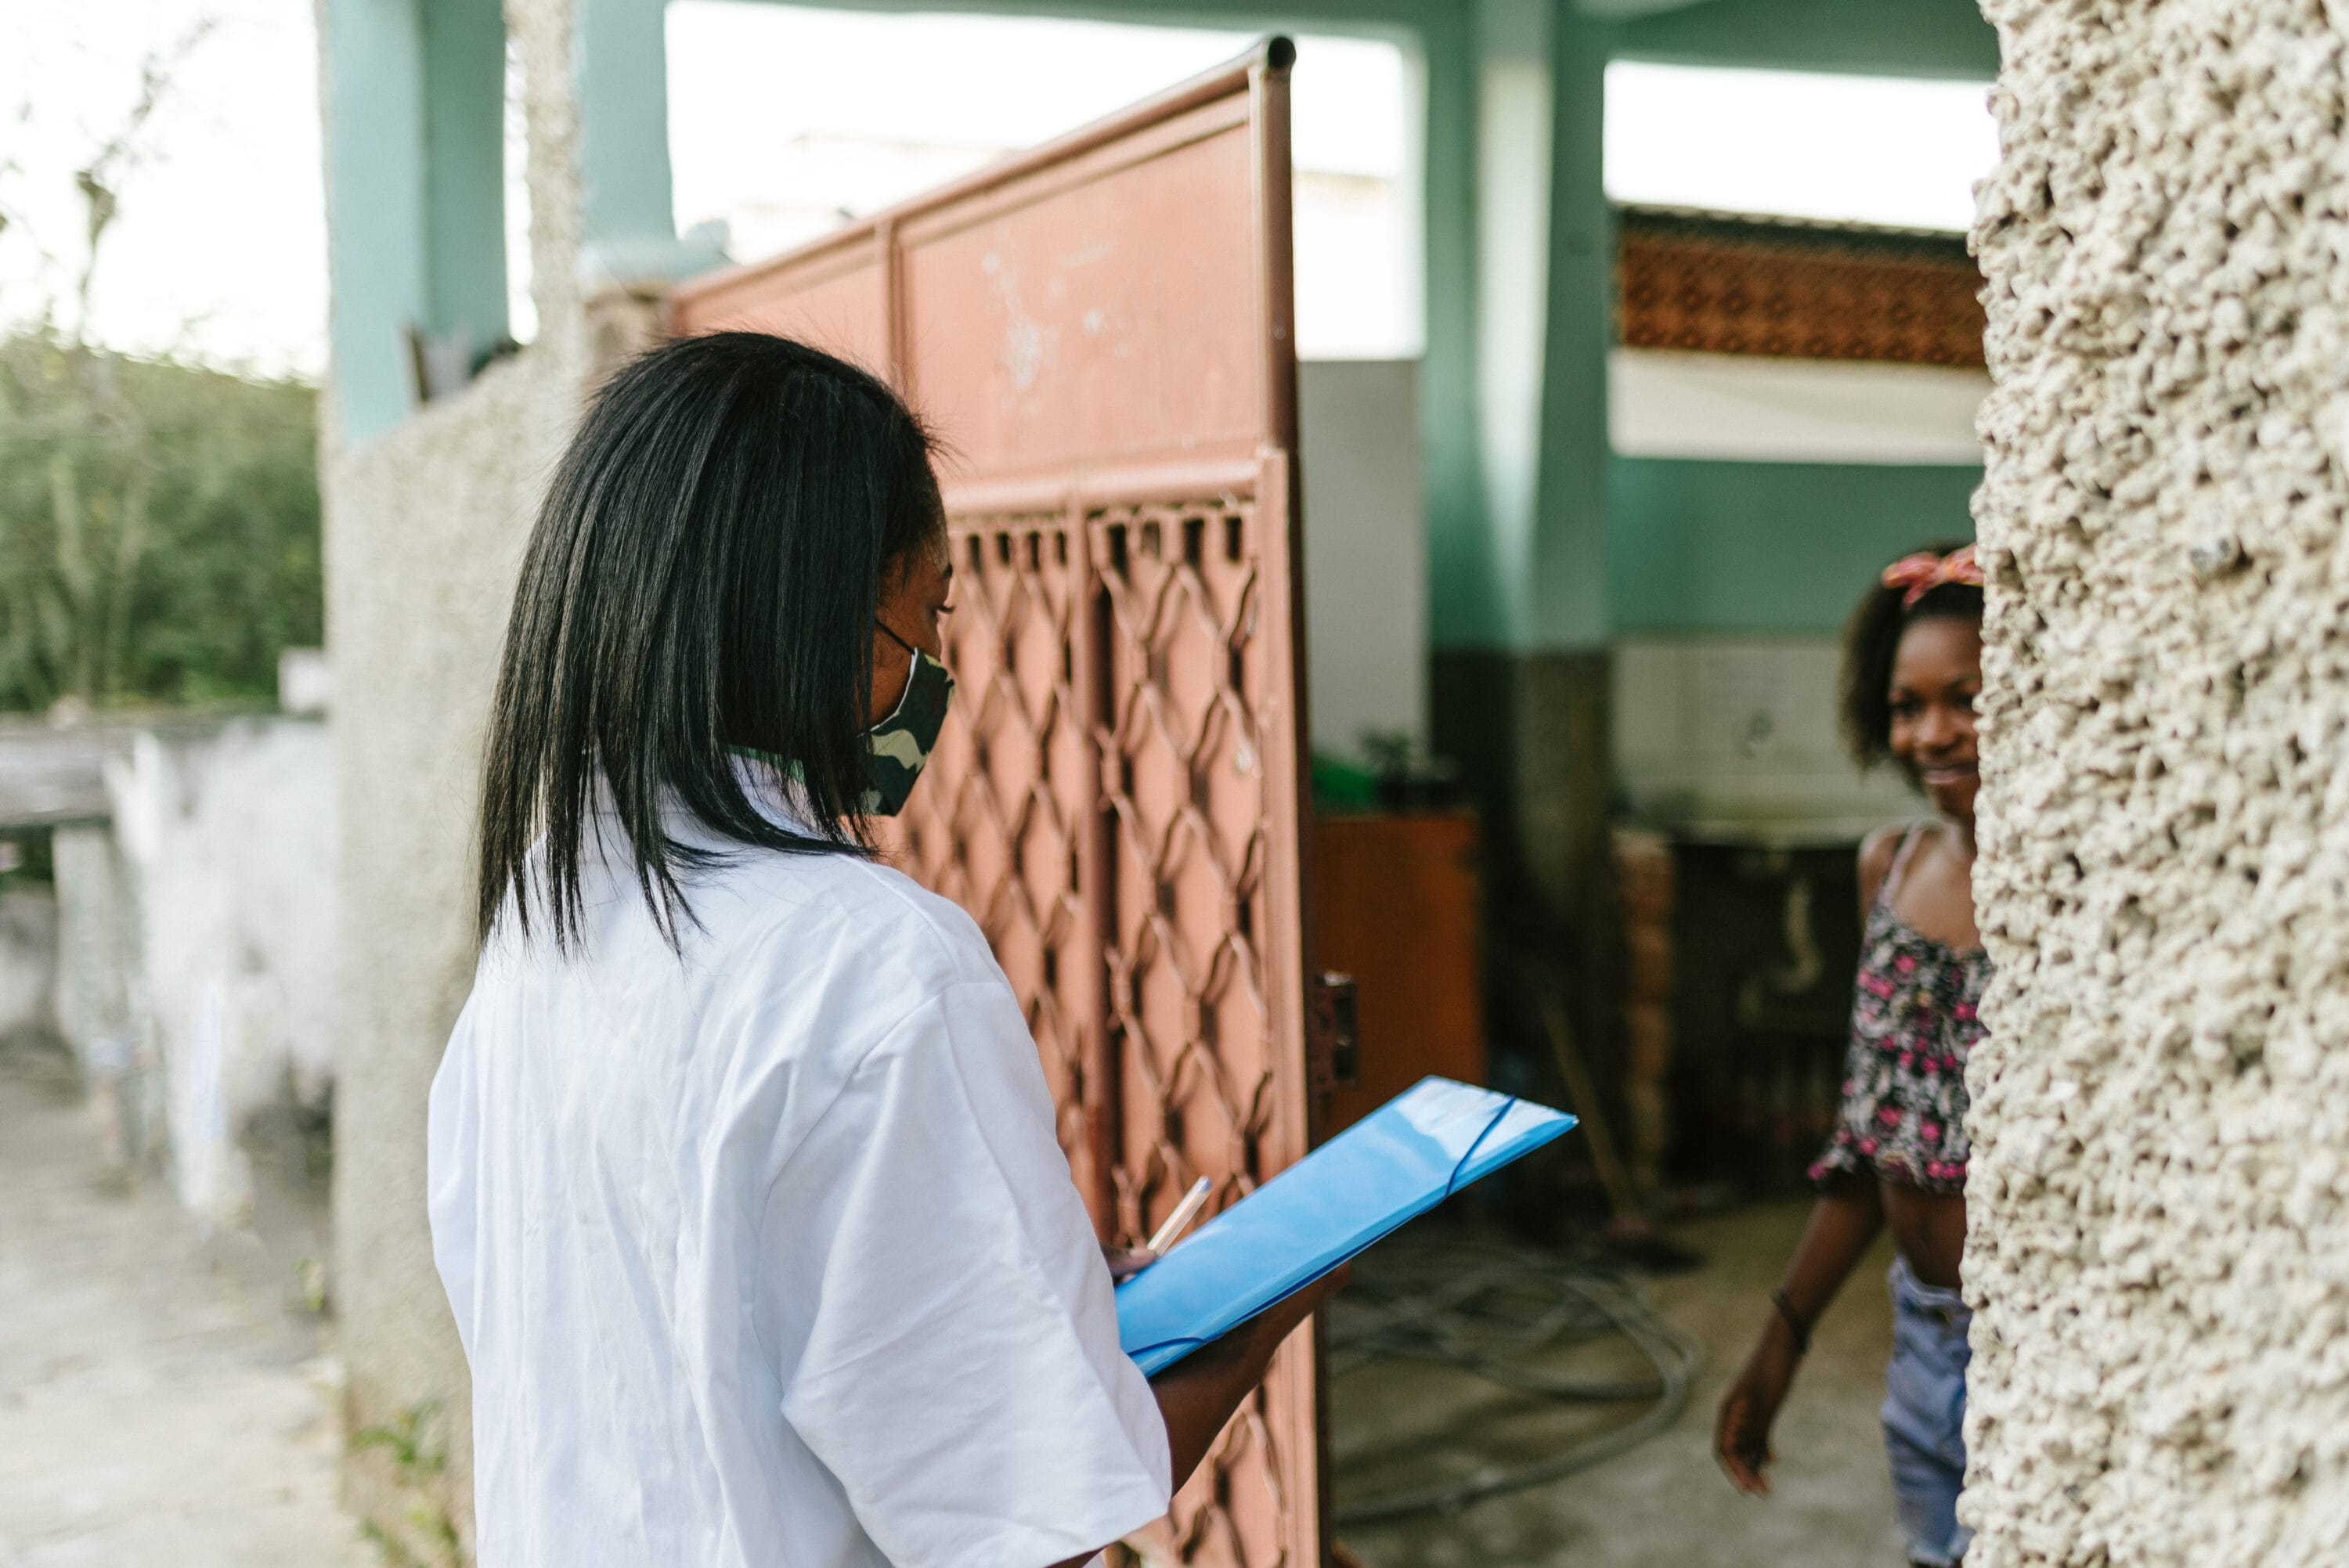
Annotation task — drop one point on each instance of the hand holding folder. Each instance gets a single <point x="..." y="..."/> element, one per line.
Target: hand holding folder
<point x="1362" y="1185"/>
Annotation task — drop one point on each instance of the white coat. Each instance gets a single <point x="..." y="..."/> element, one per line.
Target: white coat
<point x="764" y="1255"/>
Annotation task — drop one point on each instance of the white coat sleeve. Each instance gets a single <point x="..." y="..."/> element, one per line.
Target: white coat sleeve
<point x="955" y="1365"/>
<point x="452" y="1130"/>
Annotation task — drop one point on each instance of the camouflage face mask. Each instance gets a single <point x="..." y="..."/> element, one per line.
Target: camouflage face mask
<point x="897" y="748"/>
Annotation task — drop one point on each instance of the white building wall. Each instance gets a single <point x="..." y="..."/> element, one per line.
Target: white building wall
<point x="28" y="947"/>
<point x="97" y="949"/>
<point x="1738" y="736"/>
<point x="424" y="530"/>
<point x="2158" y="1248"/>
<point x="227" y="846"/>
<point x="1749" y="407"/>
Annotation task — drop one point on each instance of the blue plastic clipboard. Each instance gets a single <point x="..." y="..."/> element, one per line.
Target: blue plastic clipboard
<point x="1389" y="1168"/>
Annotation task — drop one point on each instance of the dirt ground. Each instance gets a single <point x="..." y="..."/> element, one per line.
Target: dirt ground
<point x="1664" y="1504"/>
<point x="161" y="1401"/>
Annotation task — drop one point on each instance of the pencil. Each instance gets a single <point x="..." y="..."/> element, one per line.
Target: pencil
<point x="1184" y="1212"/>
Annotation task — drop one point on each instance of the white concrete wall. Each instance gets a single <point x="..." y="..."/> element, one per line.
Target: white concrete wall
<point x="101" y="994"/>
<point x="1724" y="734"/>
<point x="1748" y="408"/>
<point x="425" y="528"/>
<point x="2159" y="1203"/>
<point x="227" y="850"/>
<point x="28" y="962"/>
<point x="1365" y="550"/>
<point x="97" y="949"/>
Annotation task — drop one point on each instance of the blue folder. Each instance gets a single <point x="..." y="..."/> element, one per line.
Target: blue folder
<point x="1364" y="1184"/>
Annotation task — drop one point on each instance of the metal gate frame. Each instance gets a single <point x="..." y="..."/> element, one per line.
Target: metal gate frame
<point x="1119" y="798"/>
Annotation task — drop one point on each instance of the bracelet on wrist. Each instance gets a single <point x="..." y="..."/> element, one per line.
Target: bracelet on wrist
<point x="1793" y="1320"/>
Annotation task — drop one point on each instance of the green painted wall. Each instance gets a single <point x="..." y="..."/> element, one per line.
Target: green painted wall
<point x="1382" y="17"/>
<point x="1568" y="582"/>
<point x="1468" y="566"/>
<point x="418" y="239"/>
<point x="1946" y="38"/>
<point x="464" y="168"/>
<point x="374" y="104"/>
<point x="628" y="220"/>
<point x="415" y="93"/>
<point x="1731" y="547"/>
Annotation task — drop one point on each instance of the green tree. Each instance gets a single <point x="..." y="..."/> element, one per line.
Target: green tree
<point x="159" y="528"/>
<point x="159" y="521"/>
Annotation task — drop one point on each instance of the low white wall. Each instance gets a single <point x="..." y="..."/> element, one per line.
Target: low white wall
<point x="225" y="896"/>
<point x="28" y="962"/>
<point x="97" y="951"/>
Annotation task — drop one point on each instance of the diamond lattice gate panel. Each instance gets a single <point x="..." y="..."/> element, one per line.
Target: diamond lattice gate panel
<point x="1099" y="330"/>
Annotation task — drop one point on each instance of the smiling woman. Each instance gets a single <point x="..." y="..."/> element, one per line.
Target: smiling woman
<point x="1899" y="1151"/>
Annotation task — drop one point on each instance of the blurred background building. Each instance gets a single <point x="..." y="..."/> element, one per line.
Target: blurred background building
<point x="1593" y="471"/>
<point x="1636" y="335"/>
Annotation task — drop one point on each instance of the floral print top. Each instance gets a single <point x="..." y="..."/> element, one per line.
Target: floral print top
<point x="1915" y="1015"/>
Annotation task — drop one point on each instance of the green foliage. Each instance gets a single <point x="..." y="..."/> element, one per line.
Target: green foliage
<point x="159" y="528"/>
<point x="418" y="1463"/>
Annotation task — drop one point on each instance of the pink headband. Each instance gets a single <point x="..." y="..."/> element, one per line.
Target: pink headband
<point x="1920" y="575"/>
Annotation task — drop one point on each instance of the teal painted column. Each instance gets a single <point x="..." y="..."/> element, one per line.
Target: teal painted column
<point x="628" y="220"/>
<point x="1465" y="577"/>
<point x="1519" y="279"/>
<point x="415" y="104"/>
<point x="374" y="85"/>
<point x="1714" y="547"/>
<point x="1568" y="577"/>
<point x="1947" y="38"/>
<point x="1513" y="192"/>
<point x="464" y="57"/>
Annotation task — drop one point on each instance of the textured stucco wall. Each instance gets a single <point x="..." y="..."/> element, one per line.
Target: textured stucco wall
<point x="424" y="531"/>
<point x="2159" y="1243"/>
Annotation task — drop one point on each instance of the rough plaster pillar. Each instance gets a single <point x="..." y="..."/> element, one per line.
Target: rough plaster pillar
<point x="425" y="526"/>
<point x="2159" y="1241"/>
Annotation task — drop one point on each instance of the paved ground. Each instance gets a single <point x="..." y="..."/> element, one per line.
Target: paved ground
<point x="160" y="1404"/>
<point x="1664" y="1504"/>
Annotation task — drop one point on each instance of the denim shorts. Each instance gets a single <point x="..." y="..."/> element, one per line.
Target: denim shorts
<point x="1925" y="1416"/>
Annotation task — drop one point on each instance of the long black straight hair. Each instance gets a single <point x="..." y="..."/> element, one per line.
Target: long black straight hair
<point x="703" y="576"/>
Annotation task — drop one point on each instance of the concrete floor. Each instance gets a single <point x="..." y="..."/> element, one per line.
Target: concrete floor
<point x="163" y="1404"/>
<point x="1664" y="1504"/>
<point x="160" y="1405"/>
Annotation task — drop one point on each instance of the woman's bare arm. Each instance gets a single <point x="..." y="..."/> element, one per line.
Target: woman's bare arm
<point x="1843" y="1224"/>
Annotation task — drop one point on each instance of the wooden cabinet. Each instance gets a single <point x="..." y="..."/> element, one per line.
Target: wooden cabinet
<point x="1396" y="904"/>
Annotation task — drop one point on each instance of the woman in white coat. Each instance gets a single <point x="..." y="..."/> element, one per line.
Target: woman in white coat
<point x="743" y="1181"/>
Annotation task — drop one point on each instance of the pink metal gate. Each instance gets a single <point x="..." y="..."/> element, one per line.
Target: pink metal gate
<point x="1101" y="332"/>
